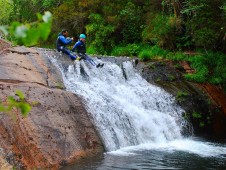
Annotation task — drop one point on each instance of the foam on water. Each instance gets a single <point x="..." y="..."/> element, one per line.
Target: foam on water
<point x="203" y="149"/>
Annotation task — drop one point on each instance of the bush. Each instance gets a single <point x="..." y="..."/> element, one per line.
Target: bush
<point x="119" y="51"/>
<point x="129" y="50"/>
<point x="91" y="50"/>
<point x="145" y="55"/>
<point x="163" y="30"/>
<point x="178" y="56"/>
<point x="152" y="52"/>
<point x="209" y="68"/>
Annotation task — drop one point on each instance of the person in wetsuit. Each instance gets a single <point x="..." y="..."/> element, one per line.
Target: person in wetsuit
<point x="80" y="46"/>
<point x="62" y="41"/>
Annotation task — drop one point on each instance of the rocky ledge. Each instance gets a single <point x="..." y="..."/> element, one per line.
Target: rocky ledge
<point x="57" y="131"/>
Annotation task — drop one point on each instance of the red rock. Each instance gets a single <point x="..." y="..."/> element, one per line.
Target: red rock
<point x="57" y="130"/>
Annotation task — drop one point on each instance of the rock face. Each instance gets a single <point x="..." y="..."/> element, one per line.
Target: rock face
<point x="57" y="131"/>
<point x="205" y="104"/>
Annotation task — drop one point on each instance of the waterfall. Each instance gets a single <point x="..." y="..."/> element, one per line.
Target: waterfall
<point x="123" y="106"/>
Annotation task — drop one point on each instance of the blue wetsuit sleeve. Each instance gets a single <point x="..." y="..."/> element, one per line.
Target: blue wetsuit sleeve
<point x="65" y="40"/>
<point x="77" y="44"/>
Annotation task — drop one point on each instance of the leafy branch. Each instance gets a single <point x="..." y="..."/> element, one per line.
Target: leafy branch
<point x="12" y="103"/>
<point x="30" y="33"/>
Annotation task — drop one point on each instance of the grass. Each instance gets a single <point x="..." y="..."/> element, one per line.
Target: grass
<point x="126" y="50"/>
<point x="153" y="52"/>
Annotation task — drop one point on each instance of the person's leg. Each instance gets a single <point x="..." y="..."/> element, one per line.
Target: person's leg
<point x="66" y="51"/>
<point x="93" y="63"/>
<point x="89" y="59"/>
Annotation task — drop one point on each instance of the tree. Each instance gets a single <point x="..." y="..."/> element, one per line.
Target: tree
<point x="206" y="22"/>
<point x="6" y="9"/>
<point x="131" y="23"/>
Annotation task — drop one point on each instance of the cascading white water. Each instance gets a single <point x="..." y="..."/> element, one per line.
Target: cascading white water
<point x="126" y="109"/>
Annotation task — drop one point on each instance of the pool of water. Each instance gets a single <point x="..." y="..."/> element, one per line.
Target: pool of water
<point x="183" y="154"/>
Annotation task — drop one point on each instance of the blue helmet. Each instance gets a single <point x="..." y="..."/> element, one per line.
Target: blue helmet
<point x="82" y="36"/>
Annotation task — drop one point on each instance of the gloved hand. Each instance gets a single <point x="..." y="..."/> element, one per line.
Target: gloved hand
<point x="70" y="38"/>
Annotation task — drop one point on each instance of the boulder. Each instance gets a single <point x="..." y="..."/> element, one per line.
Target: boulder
<point x="57" y="131"/>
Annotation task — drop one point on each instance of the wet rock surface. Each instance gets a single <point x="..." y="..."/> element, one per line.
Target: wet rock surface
<point x="204" y="104"/>
<point x="57" y="131"/>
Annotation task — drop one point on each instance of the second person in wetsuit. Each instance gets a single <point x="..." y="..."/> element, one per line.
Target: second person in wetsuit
<point x="80" y="46"/>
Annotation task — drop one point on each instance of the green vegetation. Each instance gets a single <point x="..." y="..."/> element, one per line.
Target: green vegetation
<point x="152" y="52"/>
<point x="171" y="77"/>
<point x="147" y="29"/>
<point x="30" y="33"/>
<point x="209" y="66"/>
<point x="158" y="79"/>
<point x="202" y="120"/>
<point x="128" y="50"/>
<point x="186" y="116"/>
<point x="19" y="103"/>
<point x="181" y="95"/>
<point x="196" y="115"/>
<point x="201" y="124"/>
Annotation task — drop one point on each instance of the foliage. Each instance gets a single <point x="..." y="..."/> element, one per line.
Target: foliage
<point x="119" y="51"/>
<point x="152" y="52"/>
<point x="196" y="115"/>
<point x="171" y="77"/>
<point x="162" y="31"/>
<point x="119" y="27"/>
<point x="71" y="16"/>
<point x="217" y="70"/>
<point x="25" y="10"/>
<point x="209" y="67"/>
<point x="145" y="55"/>
<point x="29" y="34"/>
<point x="178" y="56"/>
<point x="183" y="42"/>
<point x="101" y="30"/>
<point x="16" y="103"/>
<point x="205" y="22"/>
<point x="129" y="50"/>
<point x="5" y="11"/>
<point x="172" y="25"/>
<point x="46" y="3"/>
<point x="91" y="50"/>
<point x="200" y="67"/>
<point x="130" y="17"/>
<point x="181" y="95"/>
